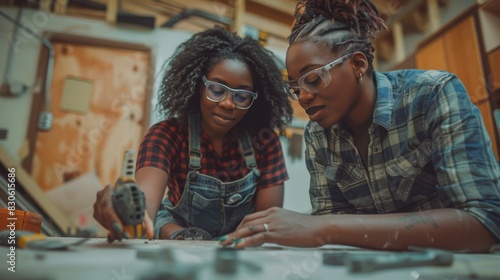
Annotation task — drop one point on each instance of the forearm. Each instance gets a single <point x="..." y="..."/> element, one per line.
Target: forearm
<point x="165" y="223"/>
<point x="450" y="229"/>
<point x="152" y="209"/>
<point x="168" y="229"/>
<point x="152" y="182"/>
<point x="269" y="197"/>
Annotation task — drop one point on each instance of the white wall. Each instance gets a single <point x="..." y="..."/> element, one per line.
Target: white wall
<point x="297" y="187"/>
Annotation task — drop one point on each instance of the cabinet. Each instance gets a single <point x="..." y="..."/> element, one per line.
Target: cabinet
<point x="457" y="50"/>
<point x="494" y="62"/>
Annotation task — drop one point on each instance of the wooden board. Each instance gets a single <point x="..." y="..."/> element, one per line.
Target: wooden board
<point x="83" y="142"/>
<point x="32" y="188"/>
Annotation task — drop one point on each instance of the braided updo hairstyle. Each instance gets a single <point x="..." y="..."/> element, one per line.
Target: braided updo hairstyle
<point x="179" y="93"/>
<point x="345" y="26"/>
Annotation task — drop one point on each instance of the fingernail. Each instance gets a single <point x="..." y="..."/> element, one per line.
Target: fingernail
<point x="238" y="240"/>
<point x="222" y="238"/>
<point x="116" y="227"/>
<point x="125" y="235"/>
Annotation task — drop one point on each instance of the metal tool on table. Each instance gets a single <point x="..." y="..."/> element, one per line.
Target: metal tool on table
<point x="165" y="265"/>
<point x="357" y="263"/>
<point x="226" y="263"/>
<point x="128" y="199"/>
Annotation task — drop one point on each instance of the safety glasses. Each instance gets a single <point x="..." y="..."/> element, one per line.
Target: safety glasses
<point x="216" y="92"/>
<point x="313" y="81"/>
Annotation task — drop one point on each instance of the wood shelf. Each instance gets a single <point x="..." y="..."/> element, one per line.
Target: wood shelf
<point x="489" y="17"/>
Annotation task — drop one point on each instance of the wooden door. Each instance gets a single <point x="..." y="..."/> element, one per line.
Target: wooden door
<point x="464" y="58"/>
<point x="463" y="55"/>
<point x="432" y="56"/>
<point x="457" y="51"/>
<point x="117" y="116"/>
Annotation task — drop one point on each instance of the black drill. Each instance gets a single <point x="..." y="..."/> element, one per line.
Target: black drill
<point x="128" y="199"/>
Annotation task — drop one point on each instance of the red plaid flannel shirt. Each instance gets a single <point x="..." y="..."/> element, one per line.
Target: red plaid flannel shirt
<point x="166" y="147"/>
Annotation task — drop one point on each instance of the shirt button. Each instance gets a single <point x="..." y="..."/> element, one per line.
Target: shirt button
<point x="376" y="150"/>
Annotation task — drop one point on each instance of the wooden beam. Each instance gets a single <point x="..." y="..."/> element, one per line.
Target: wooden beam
<point x="285" y="7"/>
<point x="60" y="7"/>
<point x="45" y="5"/>
<point x="238" y="17"/>
<point x="264" y="10"/>
<point x="399" y="46"/>
<point x="112" y="9"/>
<point x="401" y="13"/>
<point x="268" y="9"/>
<point x="31" y="187"/>
<point x="434" y="17"/>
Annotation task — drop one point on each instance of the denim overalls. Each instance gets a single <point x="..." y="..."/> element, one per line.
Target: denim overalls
<point x="207" y="202"/>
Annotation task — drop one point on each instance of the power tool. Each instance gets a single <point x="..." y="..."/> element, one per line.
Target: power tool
<point x="128" y="199"/>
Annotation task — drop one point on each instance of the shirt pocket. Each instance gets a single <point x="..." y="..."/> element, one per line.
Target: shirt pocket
<point x="411" y="176"/>
<point x="348" y="181"/>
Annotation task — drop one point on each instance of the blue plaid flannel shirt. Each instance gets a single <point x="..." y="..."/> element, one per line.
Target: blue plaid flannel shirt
<point x="428" y="149"/>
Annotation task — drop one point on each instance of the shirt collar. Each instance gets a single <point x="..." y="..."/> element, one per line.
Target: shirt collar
<point x="382" y="114"/>
<point x="384" y="103"/>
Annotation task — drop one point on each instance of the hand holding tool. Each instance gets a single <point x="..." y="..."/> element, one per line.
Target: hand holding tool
<point x="128" y="199"/>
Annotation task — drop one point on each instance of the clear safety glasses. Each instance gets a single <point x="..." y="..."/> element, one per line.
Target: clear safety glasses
<point x="313" y="81"/>
<point x="216" y="92"/>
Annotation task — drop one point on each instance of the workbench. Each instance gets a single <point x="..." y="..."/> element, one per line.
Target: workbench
<point x="149" y="259"/>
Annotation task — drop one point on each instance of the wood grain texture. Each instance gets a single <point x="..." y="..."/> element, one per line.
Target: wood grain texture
<point x="94" y="141"/>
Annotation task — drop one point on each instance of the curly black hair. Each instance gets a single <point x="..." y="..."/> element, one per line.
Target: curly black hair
<point x="180" y="90"/>
<point x="346" y="26"/>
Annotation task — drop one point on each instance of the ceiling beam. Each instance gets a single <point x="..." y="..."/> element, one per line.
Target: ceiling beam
<point x="267" y="11"/>
<point x="278" y="10"/>
<point x="282" y="6"/>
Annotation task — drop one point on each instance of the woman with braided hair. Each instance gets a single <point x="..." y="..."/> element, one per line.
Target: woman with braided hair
<point x="403" y="155"/>
<point x="217" y="151"/>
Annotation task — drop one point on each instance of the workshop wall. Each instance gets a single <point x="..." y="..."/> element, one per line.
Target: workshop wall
<point x="15" y="111"/>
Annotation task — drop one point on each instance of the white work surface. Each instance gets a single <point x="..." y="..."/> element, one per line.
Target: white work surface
<point x="96" y="259"/>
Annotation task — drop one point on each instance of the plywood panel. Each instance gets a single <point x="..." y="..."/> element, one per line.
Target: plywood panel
<point x="31" y="189"/>
<point x="457" y="51"/>
<point x="494" y="61"/>
<point x="95" y="141"/>
<point x="464" y="58"/>
<point x="432" y="56"/>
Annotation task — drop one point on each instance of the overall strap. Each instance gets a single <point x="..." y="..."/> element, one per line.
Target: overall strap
<point x="194" y="142"/>
<point x="247" y="150"/>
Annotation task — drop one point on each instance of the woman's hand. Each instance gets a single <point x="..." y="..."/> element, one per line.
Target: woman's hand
<point x="168" y="229"/>
<point x="276" y="225"/>
<point x="106" y="216"/>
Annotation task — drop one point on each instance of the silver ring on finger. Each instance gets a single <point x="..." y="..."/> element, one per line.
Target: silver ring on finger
<point x="266" y="227"/>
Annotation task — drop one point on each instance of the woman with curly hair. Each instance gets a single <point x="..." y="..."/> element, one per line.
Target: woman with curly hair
<point x="403" y="155"/>
<point x="217" y="151"/>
